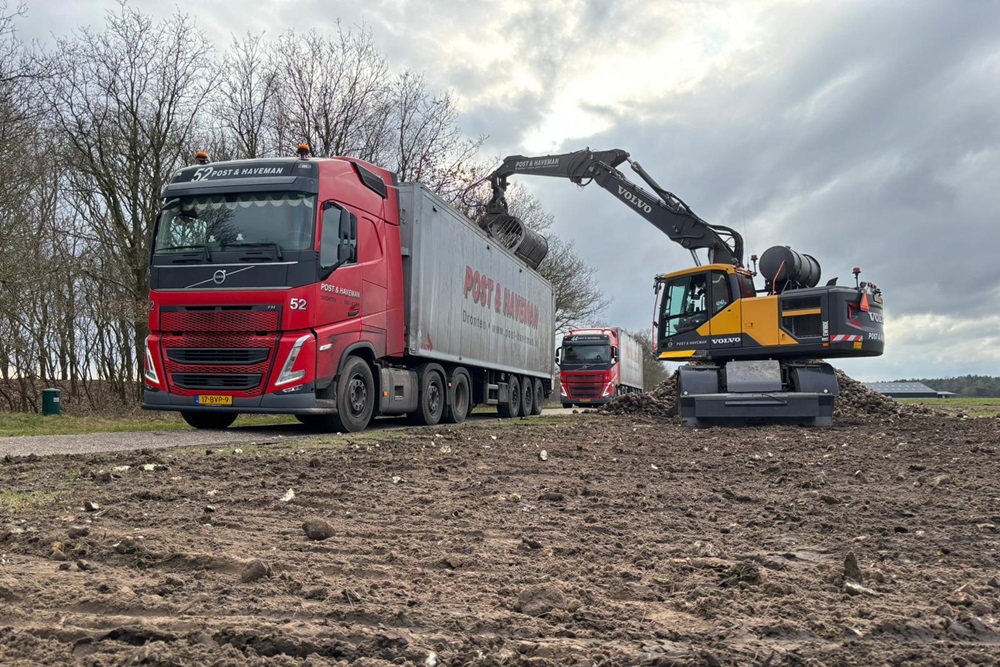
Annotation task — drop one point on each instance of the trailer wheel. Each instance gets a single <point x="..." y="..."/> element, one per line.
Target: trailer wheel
<point x="431" y="403"/>
<point x="355" y="396"/>
<point x="511" y="408"/>
<point x="536" y="405"/>
<point x="209" y="420"/>
<point x="459" y="407"/>
<point x="527" y="395"/>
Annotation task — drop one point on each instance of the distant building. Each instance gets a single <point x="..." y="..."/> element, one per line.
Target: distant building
<point x="907" y="390"/>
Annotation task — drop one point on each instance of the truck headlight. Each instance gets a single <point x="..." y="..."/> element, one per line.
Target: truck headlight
<point x="562" y="389"/>
<point x="287" y="374"/>
<point x="150" y="372"/>
<point x="609" y="389"/>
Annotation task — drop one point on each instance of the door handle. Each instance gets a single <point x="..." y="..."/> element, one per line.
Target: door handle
<point x="353" y="313"/>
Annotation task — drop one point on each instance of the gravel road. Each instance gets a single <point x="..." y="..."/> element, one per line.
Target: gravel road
<point x="91" y="443"/>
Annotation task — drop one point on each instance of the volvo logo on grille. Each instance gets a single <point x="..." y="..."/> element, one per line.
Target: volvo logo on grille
<point x="219" y="277"/>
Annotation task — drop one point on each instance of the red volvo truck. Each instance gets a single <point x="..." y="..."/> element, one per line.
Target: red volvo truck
<point x="325" y="289"/>
<point x="595" y="365"/>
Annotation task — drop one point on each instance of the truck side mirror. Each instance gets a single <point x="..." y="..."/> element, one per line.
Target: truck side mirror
<point x="348" y="247"/>
<point x="559" y="357"/>
<point x="614" y="353"/>
<point x="339" y="238"/>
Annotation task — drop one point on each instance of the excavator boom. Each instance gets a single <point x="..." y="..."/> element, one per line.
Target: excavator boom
<point x="664" y="210"/>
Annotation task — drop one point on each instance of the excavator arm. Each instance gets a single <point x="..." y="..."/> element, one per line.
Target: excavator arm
<point x="664" y="210"/>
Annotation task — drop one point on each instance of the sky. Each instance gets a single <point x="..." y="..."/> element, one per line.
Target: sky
<point x="863" y="133"/>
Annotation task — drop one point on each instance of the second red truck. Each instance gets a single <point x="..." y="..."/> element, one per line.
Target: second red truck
<point x="595" y="365"/>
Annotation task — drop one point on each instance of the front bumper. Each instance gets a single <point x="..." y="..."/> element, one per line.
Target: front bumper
<point x="302" y="402"/>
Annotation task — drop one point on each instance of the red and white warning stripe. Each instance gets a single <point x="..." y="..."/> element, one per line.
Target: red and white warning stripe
<point x="842" y="338"/>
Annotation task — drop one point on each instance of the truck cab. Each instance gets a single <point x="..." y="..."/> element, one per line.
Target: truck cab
<point x="595" y="365"/>
<point x="264" y="276"/>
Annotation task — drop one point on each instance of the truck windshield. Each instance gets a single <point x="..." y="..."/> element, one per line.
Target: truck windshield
<point x="577" y="354"/>
<point x="283" y="220"/>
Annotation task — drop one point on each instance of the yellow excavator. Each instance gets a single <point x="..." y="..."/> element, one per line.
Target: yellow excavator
<point x="754" y="353"/>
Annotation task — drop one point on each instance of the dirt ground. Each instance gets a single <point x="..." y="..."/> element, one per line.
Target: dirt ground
<point x="595" y="539"/>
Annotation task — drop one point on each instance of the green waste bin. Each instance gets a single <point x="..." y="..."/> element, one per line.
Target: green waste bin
<point x="50" y="402"/>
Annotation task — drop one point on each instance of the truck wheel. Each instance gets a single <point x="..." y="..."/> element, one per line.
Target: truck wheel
<point x="209" y="420"/>
<point x="536" y="405"/>
<point x="458" y="407"/>
<point x="430" y="405"/>
<point x="511" y="408"/>
<point x="527" y="395"/>
<point x="355" y="396"/>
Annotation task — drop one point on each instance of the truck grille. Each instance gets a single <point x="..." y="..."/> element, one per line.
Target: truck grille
<point x="218" y="357"/>
<point x="223" y="319"/>
<point x="217" y="381"/>
<point x="584" y="385"/>
<point x="219" y="348"/>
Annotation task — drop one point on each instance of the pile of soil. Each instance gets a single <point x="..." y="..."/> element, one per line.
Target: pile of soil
<point x="659" y="402"/>
<point x="858" y="402"/>
<point x="855" y="402"/>
<point x="579" y="540"/>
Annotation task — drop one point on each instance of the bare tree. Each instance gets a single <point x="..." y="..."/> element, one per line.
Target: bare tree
<point x="124" y="100"/>
<point x="424" y="140"/>
<point x="333" y="92"/>
<point x="245" y="101"/>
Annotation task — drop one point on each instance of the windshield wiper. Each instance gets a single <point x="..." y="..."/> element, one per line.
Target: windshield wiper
<point x="263" y="244"/>
<point x="203" y="247"/>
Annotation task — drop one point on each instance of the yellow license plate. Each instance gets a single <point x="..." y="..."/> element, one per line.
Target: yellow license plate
<point x="211" y="399"/>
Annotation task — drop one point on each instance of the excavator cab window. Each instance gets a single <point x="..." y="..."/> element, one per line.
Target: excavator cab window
<point x="721" y="296"/>
<point x="684" y="304"/>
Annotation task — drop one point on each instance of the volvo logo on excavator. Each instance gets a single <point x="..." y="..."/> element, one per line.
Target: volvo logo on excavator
<point x="634" y="200"/>
<point x="875" y="317"/>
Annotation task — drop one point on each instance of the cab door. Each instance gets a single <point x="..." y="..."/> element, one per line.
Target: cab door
<point x="682" y="314"/>
<point x="338" y="319"/>
<point x="725" y="312"/>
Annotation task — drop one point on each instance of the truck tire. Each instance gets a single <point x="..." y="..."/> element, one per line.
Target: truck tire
<point x="512" y="406"/>
<point x="209" y="420"/>
<point x="536" y="405"/>
<point x="355" y="396"/>
<point x="431" y="400"/>
<point x="459" y="397"/>
<point x="527" y="395"/>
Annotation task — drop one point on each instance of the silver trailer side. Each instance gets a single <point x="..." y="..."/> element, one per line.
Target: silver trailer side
<point x="467" y="300"/>
<point x="630" y="360"/>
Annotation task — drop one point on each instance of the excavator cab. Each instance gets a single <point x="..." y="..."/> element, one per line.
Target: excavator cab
<point x="700" y="309"/>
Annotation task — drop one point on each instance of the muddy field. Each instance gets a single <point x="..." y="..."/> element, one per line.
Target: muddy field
<point x="594" y="539"/>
